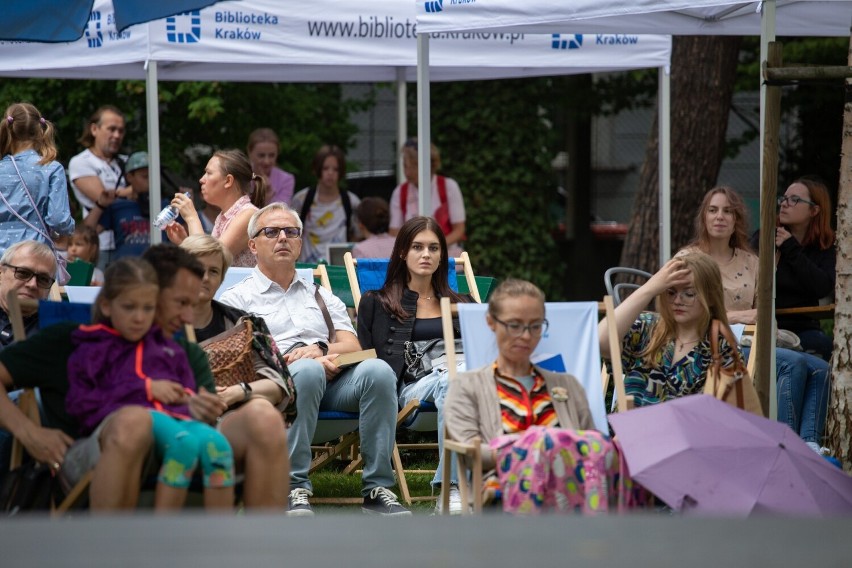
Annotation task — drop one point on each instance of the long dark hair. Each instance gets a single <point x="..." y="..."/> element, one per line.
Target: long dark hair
<point x="390" y="295"/>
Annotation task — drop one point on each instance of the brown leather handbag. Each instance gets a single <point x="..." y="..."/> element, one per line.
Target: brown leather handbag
<point x="230" y="355"/>
<point x="730" y="384"/>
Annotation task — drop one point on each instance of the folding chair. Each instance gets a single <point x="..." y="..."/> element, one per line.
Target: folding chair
<point x="614" y="290"/>
<point x="570" y="346"/>
<point x="49" y="312"/>
<point x="369" y="274"/>
<point x="373" y="271"/>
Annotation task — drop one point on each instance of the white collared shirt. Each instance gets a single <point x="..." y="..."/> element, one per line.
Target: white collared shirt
<point x="293" y="314"/>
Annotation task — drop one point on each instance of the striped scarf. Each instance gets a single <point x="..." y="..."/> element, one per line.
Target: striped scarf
<point x="520" y="409"/>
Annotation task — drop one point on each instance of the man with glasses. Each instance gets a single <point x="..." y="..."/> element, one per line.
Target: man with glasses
<point x="311" y="326"/>
<point x="27" y="268"/>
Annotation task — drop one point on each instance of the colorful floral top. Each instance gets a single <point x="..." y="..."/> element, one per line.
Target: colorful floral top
<point x="521" y="408"/>
<point x="244" y="257"/>
<point x="669" y="379"/>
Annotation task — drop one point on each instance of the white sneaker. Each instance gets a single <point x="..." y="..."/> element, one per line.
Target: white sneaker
<point x="455" y="502"/>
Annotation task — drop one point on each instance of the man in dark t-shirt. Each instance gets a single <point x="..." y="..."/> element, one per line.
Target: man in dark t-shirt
<point x="118" y="452"/>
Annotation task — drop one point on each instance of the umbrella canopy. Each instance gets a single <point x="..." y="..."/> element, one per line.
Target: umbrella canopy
<point x="700" y="455"/>
<point x="40" y="20"/>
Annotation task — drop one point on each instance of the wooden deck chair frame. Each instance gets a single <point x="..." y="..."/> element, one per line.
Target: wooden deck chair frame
<point x="351" y="264"/>
<point x="350" y="441"/>
<point x="623" y="402"/>
<point x="28" y="404"/>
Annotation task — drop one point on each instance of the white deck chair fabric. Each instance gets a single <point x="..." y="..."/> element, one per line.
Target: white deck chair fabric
<point x="82" y="294"/>
<point x="570" y="345"/>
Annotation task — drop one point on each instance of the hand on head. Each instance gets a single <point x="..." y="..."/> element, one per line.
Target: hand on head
<point x="674" y="273"/>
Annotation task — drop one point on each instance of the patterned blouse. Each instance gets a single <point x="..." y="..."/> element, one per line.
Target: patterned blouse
<point x="520" y="408"/>
<point x="244" y="257"/>
<point x="670" y="379"/>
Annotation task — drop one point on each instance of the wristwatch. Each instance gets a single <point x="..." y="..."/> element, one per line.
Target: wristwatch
<point x="246" y="390"/>
<point x="323" y="347"/>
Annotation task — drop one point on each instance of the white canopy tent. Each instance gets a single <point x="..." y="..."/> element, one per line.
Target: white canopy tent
<point x="302" y="40"/>
<point x="678" y="17"/>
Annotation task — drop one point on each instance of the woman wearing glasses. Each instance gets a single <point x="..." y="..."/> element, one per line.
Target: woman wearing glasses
<point x="407" y="309"/>
<point x="229" y="184"/>
<point x="532" y="422"/>
<point x="805" y="260"/>
<point x="667" y="354"/>
<point x="802" y="378"/>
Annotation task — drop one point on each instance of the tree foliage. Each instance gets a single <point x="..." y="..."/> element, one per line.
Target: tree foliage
<point x="201" y="116"/>
<point x="497" y="141"/>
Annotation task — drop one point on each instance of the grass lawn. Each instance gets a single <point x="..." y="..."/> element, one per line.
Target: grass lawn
<point x="329" y="482"/>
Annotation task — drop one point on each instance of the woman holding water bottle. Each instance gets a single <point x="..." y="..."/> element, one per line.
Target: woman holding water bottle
<point x="229" y="184"/>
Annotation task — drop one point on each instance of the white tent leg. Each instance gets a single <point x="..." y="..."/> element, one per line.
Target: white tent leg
<point x="401" y="120"/>
<point x="424" y="133"/>
<point x="664" y="165"/>
<point x="153" y="111"/>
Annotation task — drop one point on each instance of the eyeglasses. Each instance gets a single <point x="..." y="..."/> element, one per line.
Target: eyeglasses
<point x="517" y="329"/>
<point x="687" y="297"/>
<point x="273" y="232"/>
<point x="43" y="281"/>
<point x="793" y="200"/>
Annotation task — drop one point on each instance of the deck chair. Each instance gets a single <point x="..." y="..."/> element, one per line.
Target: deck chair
<point x="81" y="272"/>
<point x="571" y="345"/>
<point x="371" y="275"/>
<point x="49" y="312"/>
<point x="616" y="290"/>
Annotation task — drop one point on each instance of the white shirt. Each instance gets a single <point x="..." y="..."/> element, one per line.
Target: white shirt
<point x="292" y="315"/>
<point x="86" y="164"/>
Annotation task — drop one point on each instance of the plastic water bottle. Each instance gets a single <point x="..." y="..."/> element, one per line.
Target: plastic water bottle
<point x="167" y="215"/>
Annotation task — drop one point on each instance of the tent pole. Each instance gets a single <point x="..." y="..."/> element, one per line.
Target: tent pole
<point x="664" y="166"/>
<point x="152" y="110"/>
<point x="401" y="120"/>
<point x="768" y="189"/>
<point x="424" y="134"/>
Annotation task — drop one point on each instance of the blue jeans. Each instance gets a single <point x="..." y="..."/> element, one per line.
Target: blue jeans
<point x="803" y="388"/>
<point x="368" y="388"/>
<point x="433" y="388"/>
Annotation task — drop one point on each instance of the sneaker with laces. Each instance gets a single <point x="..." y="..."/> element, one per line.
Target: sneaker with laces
<point x="455" y="502"/>
<point x="298" y="503"/>
<point x="383" y="502"/>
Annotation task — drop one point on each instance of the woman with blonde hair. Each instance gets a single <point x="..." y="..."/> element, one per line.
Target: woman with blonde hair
<point x="229" y="184"/>
<point x="667" y="354"/>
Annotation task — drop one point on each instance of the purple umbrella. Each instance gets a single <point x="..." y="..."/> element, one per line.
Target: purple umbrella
<point x="700" y="455"/>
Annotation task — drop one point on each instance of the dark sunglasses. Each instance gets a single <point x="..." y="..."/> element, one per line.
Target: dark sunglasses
<point x="273" y="232"/>
<point x="43" y="281"/>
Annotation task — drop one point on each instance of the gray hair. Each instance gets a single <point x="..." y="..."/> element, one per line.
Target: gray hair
<point x="274" y="206"/>
<point x="36" y="249"/>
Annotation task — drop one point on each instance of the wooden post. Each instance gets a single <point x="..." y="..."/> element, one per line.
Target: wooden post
<point x="769" y="188"/>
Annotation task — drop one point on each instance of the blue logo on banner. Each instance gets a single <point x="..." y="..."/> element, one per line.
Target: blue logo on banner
<point x="94" y="35"/>
<point x="184" y="28"/>
<point x="574" y="41"/>
<point x="434" y="5"/>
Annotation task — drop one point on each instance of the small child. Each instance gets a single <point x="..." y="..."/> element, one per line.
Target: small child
<point x="85" y="246"/>
<point x="123" y="360"/>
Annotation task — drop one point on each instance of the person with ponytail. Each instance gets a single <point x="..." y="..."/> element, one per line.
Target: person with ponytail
<point x="33" y="189"/>
<point x="229" y="184"/>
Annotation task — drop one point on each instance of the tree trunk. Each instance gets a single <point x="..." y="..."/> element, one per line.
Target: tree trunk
<point x="839" y="426"/>
<point x="702" y="81"/>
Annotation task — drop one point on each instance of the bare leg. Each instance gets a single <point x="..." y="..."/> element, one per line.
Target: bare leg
<point x="125" y="443"/>
<point x="168" y="499"/>
<point x="219" y="499"/>
<point x="259" y="441"/>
